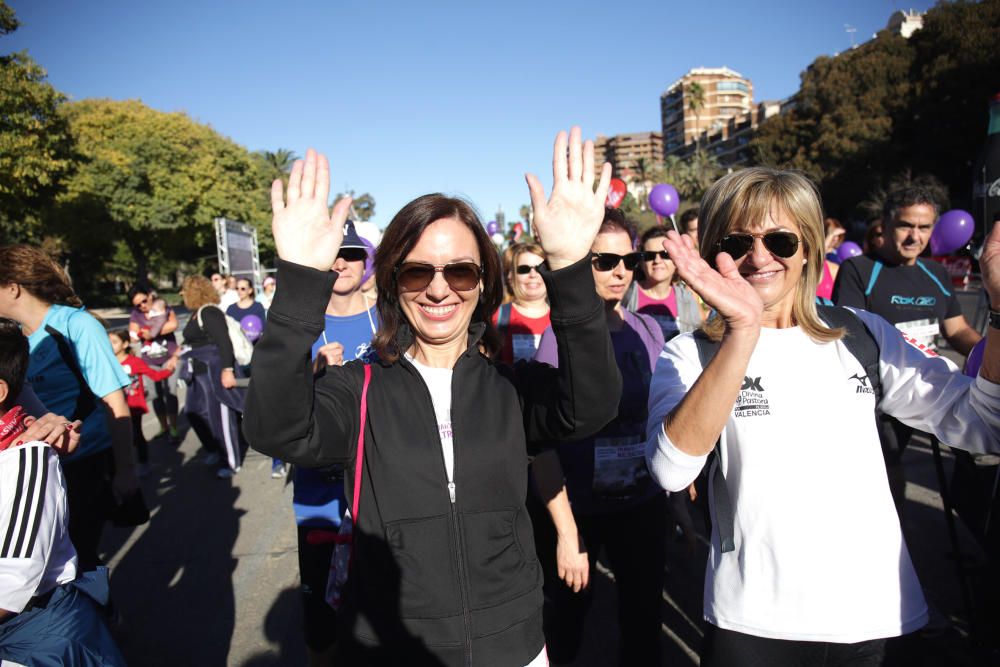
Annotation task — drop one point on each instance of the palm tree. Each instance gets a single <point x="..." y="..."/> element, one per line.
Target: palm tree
<point x="696" y="102"/>
<point x="280" y="160"/>
<point x="643" y="167"/>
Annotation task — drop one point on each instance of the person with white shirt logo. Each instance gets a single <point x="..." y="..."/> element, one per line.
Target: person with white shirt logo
<point x="799" y="572"/>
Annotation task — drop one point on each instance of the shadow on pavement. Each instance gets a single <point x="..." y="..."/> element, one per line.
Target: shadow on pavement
<point x="173" y="582"/>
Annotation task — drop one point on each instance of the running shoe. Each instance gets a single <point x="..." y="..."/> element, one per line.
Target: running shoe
<point x="174" y="437"/>
<point x="210" y="458"/>
<point x="226" y="473"/>
<point x="278" y="470"/>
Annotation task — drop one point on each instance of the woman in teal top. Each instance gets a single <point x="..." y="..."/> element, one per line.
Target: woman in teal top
<point x="74" y="373"/>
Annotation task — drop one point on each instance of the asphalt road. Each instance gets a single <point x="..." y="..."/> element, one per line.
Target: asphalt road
<point x="212" y="579"/>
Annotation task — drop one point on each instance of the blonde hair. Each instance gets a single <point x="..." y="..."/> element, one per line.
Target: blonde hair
<point x="747" y="196"/>
<point x="510" y="257"/>
<point x="197" y="291"/>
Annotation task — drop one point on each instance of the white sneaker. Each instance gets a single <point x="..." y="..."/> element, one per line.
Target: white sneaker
<point x="226" y="473"/>
<point x="279" y="471"/>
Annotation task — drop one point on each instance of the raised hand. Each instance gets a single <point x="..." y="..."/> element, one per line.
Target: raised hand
<point x="305" y="231"/>
<point x="725" y="290"/>
<point x="568" y="222"/>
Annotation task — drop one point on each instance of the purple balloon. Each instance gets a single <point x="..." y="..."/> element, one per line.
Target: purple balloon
<point x="492" y="227"/>
<point x="370" y="261"/>
<point x="847" y="250"/>
<point x="663" y="199"/>
<point x="953" y="230"/>
<point x="975" y="359"/>
<point x="252" y="327"/>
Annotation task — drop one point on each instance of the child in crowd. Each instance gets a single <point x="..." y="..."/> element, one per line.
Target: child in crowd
<point x="136" y="392"/>
<point x="48" y="615"/>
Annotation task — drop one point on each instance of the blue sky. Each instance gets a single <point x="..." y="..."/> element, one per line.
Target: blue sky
<point x="414" y="97"/>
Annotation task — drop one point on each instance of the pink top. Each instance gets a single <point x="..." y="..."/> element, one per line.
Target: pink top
<point x="825" y="288"/>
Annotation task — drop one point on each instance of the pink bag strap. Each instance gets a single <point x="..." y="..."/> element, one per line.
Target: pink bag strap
<point x="361" y="445"/>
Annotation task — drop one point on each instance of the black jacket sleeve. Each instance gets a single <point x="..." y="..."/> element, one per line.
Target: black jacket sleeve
<point x="848" y="290"/>
<point x="213" y="322"/>
<point x="579" y="397"/>
<point x="290" y="414"/>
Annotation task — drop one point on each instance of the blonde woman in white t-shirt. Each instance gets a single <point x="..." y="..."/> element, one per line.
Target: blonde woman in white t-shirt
<point x="814" y="569"/>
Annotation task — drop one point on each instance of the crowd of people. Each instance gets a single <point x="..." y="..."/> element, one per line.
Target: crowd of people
<point x="477" y="429"/>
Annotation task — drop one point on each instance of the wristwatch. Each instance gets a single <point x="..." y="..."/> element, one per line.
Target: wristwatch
<point x="995" y="318"/>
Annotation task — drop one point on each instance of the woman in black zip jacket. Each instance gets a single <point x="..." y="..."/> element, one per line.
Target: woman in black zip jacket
<point x="444" y="571"/>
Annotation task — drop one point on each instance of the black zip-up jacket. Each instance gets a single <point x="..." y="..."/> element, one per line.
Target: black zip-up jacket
<point x="434" y="582"/>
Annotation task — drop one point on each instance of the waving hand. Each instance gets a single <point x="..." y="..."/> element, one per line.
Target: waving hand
<point x="305" y="231"/>
<point x="568" y="222"/>
<point x="725" y="290"/>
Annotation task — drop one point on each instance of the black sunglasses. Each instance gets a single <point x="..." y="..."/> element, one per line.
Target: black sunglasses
<point x="352" y="254"/>
<point x="606" y="261"/>
<point x="780" y="244"/>
<point x="525" y="269"/>
<point x="650" y="255"/>
<point x="460" y="276"/>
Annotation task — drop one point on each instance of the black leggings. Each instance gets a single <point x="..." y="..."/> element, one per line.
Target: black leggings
<point x="726" y="648"/>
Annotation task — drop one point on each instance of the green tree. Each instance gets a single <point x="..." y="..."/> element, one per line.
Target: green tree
<point x="863" y="118"/>
<point x="154" y="182"/>
<point x="35" y="145"/>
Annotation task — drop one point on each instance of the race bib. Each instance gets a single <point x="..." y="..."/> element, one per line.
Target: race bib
<point x="524" y="345"/>
<point x="924" y="332"/>
<point x="620" y="471"/>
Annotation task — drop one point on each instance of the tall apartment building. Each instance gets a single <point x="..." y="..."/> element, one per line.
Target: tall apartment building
<point x="624" y="150"/>
<point x="726" y="94"/>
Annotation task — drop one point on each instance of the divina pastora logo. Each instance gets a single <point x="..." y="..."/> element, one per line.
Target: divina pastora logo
<point x="751" y="402"/>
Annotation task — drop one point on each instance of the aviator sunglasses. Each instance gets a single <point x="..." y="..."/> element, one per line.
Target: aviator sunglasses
<point x="780" y="244"/>
<point x="607" y="261"/>
<point x="460" y="276"/>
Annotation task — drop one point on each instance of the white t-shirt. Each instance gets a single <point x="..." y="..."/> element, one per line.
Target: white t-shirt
<point x="819" y="552"/>
<point x="36" y="554"/>
<point x="438" y="381"/>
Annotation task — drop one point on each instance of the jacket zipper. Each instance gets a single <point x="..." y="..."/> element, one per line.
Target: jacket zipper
<point x="462" y="585"/>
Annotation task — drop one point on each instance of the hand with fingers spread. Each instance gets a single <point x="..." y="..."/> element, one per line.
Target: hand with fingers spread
<point x="567" y="223"/>
<point x="724" y="289"/>
<point x="305" y="231"/>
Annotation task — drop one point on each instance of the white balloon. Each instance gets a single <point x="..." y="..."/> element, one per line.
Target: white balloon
<point x="498" y="238"/>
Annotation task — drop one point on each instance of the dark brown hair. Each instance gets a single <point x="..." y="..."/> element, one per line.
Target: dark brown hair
<point x="34" y="269"/>
<point x="614" y="218"/>
<point x="398" y="240"/>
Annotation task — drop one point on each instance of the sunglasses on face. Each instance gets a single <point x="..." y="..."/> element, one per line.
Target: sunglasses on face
<point x="243" y="289"/>
<point x="607" y="261"/>
<point x="779" y="244"/>
<point x="140" y="302"/>
<point x="352" y="254"/>
<point x="460" y="276"/>
<point x="651" y="255"/>
<point x="525" y="269"/>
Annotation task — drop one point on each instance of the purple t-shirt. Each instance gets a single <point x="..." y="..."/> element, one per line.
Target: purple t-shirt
<point x="159" y="349"/>
<point x="607" y="472"/>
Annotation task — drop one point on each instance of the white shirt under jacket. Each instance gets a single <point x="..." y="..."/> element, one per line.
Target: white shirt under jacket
<point x="819" y="552"/>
